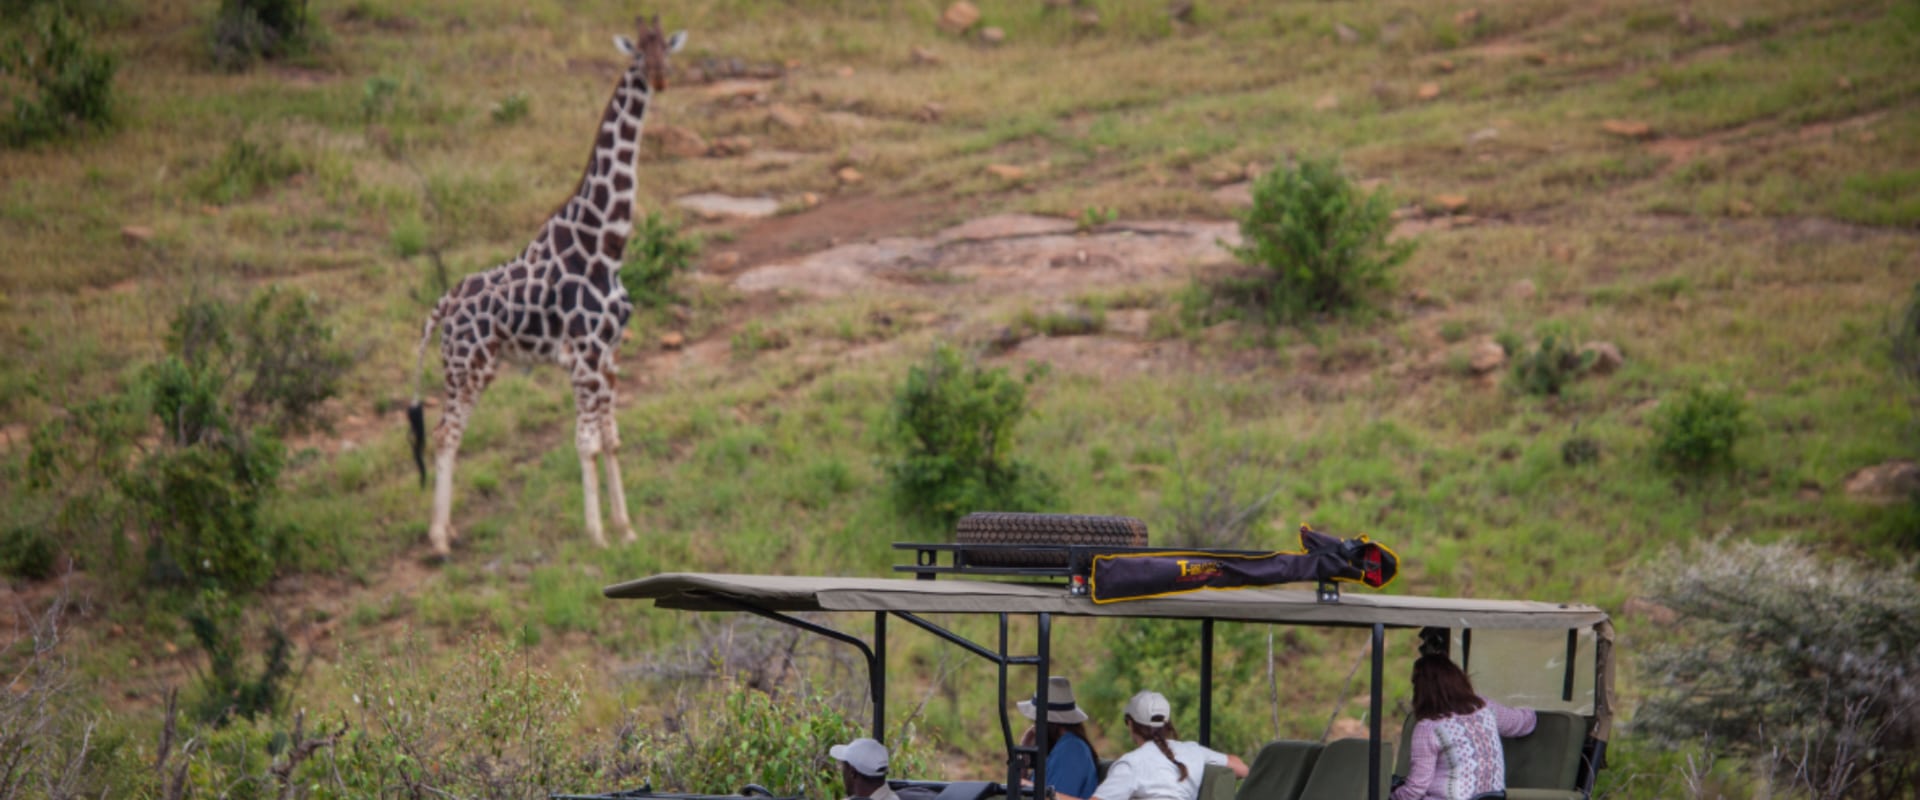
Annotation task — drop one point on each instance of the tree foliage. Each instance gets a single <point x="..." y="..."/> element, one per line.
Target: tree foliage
<point x="1320" y="241"/>
<point x="1804" y="663"/>
<point x="952" y="428"/>
<point x="72" y="82"/>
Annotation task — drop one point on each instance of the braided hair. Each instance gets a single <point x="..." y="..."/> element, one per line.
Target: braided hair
<point x="1159" y="736"/>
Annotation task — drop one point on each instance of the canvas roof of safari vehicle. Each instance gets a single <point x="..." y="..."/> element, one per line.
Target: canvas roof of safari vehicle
<point x="721" y="592"/>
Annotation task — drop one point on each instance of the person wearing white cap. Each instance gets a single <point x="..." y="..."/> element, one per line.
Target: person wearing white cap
<point x="1161" y="767"/>
<point x="1072" y="765"/>
<point x="863" y="768"/>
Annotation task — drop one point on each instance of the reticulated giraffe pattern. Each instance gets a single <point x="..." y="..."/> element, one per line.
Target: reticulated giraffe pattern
<point x="560" y="300"/>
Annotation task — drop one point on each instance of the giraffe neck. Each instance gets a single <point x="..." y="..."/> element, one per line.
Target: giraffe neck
<point x="607" y="189"/>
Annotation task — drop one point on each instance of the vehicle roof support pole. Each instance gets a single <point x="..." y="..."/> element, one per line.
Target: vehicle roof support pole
<point x="1006" y="729"/>
<point x="1373" y="714"/>
<point x="1466" y="649"/>
<point x="1573" y="652"/>
<point x="1206" y="682"/>
<point x="877" y="677"/>
<point x="1042" y="706"/>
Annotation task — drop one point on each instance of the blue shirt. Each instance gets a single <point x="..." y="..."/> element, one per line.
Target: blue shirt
<point x="1070" y="767"/>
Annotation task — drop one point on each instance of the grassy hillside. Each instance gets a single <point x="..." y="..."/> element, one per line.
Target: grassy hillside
<point x="1758" y="233"/>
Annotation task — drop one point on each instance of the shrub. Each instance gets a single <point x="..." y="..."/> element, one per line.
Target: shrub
<point x="1804" y="663"/>
<point x="244" y="170"/>
<point x="248" y="30"/>
<point x="952" y="425"/>
<point x="225" y="692"/>
<point x="26" y="552"/>
<point x="1696" y="432"/>
<point x="657" y="253"/>
<point x="1906" y="339"/>
<point x="73" y="83"/>
<point x="1321" y="241"/>
<point x="1550" y="367"/>
<point x="1579" y="450"/>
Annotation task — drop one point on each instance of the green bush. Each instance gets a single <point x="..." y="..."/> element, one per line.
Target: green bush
<point x="203" y="508"/>
<point x="1696" y="432"/>
<point x="1579" y="450"/>
<point x="72" y="83"/>
<point x="245" y="31"/>
<point x="1321" y="242"/>
<point x="952" y="428"/>
<point x="27" y="552"/>
<point x="225" y="692"/>
<point x="657" y="253"/>
<point x="1802" y="663"/>
<point x="1550" y="367"/>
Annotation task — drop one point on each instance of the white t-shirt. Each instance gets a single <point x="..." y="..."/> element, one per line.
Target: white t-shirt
<point x="1146" y="774"/>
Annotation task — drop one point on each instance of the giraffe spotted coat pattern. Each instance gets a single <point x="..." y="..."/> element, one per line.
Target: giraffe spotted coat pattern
<point x="560" y="300"/>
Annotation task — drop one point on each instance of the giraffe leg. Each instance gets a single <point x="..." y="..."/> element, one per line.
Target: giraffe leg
<point x="587" y="440"/>
<point x="446" y="445"/>
<point x="616" y="496"/>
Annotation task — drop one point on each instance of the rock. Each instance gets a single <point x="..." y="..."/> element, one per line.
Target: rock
<point x="992" y="35"/>
<point x="136" y="234"/>
<point x="1444" y="65"/>
<point x="1467" y="17"/>
<point x="1482" y="135"/>
<point x="1348" y="728"/>
<point x="930" y="112"/>
<point x="1222" y="177"/>
<point x="922" y="55"/>
<point x="1327" y="102"/>
<point x="1522" y="290"/>
<point x="1428" y="91"/>
<point x="1087" y="18"/>
<point x="1652" y="611"/>
<point x="783" y="115"/>
<point x="708" y="205"/>
<point x="738" y="91"/>
<point x="672" y="340"/>
<point x="1180" y="10"/>
<point x="679" y="142"/>
<point x="724" y="262"/>
<point x="1631" y="129"/>
<point x="959" y="17"/>
<point x="809" y="199"/>
<point x="1562" y="253"/>
<point x="1006" y="172"/>
<point x="1537" y="58"/>
<point x="1346" y="34"/>
<point x="1591" y="39"/>
<point x="1884" y="483"/>
<point x="1237" y="195"/>
<point x="1741" y="208"/>
<point x="1843" y="83"/>
<point x="1450" y="203"/>
<point x="1606" y="356"/>
<point x="849" y="175"/>
<point x="1487" y="355"/>
<point x="844" y="72"/>
<point x="730" y="146"/>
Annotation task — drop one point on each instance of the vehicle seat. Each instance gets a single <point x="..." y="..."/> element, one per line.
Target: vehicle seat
<point x="1279" y="770"/>
<point x="1218" y="782"/>
<point x="968" y="790"/>
<point x="1340" y="773"/>
<point x="1545" y="764"/>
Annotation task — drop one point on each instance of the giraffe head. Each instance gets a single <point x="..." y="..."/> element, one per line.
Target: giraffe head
<point x="650" y="52"/>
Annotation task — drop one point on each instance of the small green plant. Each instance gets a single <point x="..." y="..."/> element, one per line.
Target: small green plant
<point x="1095" y="216"/>
<point x="1579" y="450"/>
<point x="511" y="109"/>
<point x="754" y="338"/>
<point x="245" y="169"/>
<point x="1320" y="242"/>
<point x="952" y="432"/>
<point x="72" y="83"/>
<point x="656" y="254"/>
<point x="225" y="691"/>
<point x="28" y="552"/>
<point x="1073" y="321"/>
<point x="1696" y="432"/>
<point x="245" y="31"/>
<point x="1550" y="367"/>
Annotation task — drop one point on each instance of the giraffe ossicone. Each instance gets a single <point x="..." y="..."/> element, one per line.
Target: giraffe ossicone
<point x="560" y="300"/>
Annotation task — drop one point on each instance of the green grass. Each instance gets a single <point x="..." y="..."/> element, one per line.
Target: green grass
<point x="1769" y="261"/>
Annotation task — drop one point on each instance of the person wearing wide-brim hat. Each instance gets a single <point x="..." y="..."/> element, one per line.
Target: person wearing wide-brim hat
<point x="1160" y="767"/>
<point x="1072" y="766"/>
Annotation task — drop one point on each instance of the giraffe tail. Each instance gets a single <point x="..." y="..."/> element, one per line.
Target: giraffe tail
<point x="416" y="412"/>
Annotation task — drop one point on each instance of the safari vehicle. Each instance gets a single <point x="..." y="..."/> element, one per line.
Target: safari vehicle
<point x="1553" y="657"/>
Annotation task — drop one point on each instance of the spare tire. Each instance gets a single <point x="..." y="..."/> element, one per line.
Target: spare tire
<point x="1014" y="528"/>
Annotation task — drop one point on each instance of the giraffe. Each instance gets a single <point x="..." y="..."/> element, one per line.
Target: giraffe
<point x="560" y="300"/>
